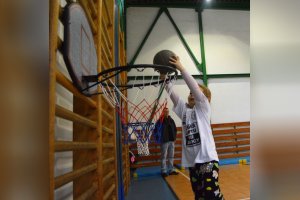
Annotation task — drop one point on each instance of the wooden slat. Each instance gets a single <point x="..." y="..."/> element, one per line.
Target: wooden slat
<point x="69" y="115"/>
<point x="234" y="155"/>
<point x="107" y="59"/>
<point x="236" y="149"/>
<point x="70" y="146"/>
<point x="106" y="43"/>
<point x="107" y="115"/>
<point x="109" y="192"/>
<point x="105" y="32"/>
<point x="100" y="172"/>
<point x="232" y="137"/>
<point x="155" y="157"/>
<point x="53" y="37"/>
<point x="108" y="145"/>
<point x="66" y="178"/>
<point x="230" y="124"/>
<point x="93" y="8"/>
<point x="226" y="144"/>
<point x="61" y="79"/>
<point x="108" y="160"/>
<point x="89" y="193"/>
<point x="150" y="164"/>
<point x="107" y="130"/>
<point x="88" y="14"/>
<point x="230" y="131"/>
<point x="107" y="13"/>
<point x="108" y="176"/>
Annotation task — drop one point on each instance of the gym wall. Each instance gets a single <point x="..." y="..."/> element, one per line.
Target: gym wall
<point x="226" y="44"/>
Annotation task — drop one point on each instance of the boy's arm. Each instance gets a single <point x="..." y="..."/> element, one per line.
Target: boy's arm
<point x="190" y="81"/>
<point x="169" y="88"/>
<point x="174" y="97"/>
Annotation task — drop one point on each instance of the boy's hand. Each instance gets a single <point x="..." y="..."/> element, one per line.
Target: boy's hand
<point x="176" y="61"/>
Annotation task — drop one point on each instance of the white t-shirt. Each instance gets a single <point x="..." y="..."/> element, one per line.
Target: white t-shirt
<point x="198" y="144"/>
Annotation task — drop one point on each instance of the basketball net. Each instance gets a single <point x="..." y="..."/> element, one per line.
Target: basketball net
<point x="139" y="115"/>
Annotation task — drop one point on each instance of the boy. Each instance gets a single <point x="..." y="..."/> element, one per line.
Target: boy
<point x="198" y="147"/>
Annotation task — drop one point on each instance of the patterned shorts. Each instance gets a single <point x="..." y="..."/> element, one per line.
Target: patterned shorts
<point x="204" y="180"/>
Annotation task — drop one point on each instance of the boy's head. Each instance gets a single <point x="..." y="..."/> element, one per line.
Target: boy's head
<point x="166" y="112"/>
<point x="206" y="92"/>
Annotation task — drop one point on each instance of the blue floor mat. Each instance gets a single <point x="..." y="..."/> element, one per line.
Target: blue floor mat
<point x="149" y="188"/>
<point x="148" y="171"/>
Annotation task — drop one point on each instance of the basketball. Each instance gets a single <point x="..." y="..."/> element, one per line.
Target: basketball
<point x="162" y="58"/>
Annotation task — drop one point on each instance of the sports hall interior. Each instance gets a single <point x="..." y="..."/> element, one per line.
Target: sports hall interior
<point x="88" y="158"/>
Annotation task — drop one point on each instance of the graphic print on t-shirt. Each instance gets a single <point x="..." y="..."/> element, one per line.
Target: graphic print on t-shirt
<point x="192" y="136"/>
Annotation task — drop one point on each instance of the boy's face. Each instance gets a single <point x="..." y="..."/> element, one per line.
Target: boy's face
<point x="166" y="112"/>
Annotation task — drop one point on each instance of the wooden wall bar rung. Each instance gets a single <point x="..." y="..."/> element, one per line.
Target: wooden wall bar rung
<point x="232" y="137"/>
<point x="150" y="164"/>
<point x="238" y="155"/>
<point x="88" y="14"/>
<point x="107" y="12"/>
<point x="70" y="146"/>
<point x="108" y="103"/>
<point x="109" y="192"/>
<point x="227" y="144"/>
<point x="229" y="131"/>
<point x="236" y="149"/>
<point x="107" y="130"/>
<point x="61" y="79"/>
<point x="89" y="193"/>
<point x="108" y="176"/>
<point x="93" y="8"/>
<point x="230" y="124"/>
<point x="66" y="178"/>
<point x="108" y="63"/>
<point x="107" y="47"/>
<point x="107" y="115"/>
<point x="69" y="115"/>
<point x="108" y="160"/>
<point x="106" y="33"/>
<point x="108" y="145"/>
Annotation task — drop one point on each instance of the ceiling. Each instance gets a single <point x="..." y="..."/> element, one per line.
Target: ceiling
<point x="218" y="4"/>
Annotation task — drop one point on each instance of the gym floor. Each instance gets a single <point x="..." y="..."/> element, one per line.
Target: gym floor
<point x="234" y="183"/>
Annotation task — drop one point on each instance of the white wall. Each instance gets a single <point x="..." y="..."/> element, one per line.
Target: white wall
<point x="230" y="100"/>
<point x="226" y="41"/>
<point x="163" y="35"/>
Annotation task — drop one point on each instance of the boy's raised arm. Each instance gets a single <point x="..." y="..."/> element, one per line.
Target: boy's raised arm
<point x="174" y="97"/>
<point x="190" y="81"/>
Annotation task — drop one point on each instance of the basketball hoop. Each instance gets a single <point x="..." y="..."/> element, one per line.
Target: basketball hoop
<point x="140" y="113"/>
<point x="144" y="109"/>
